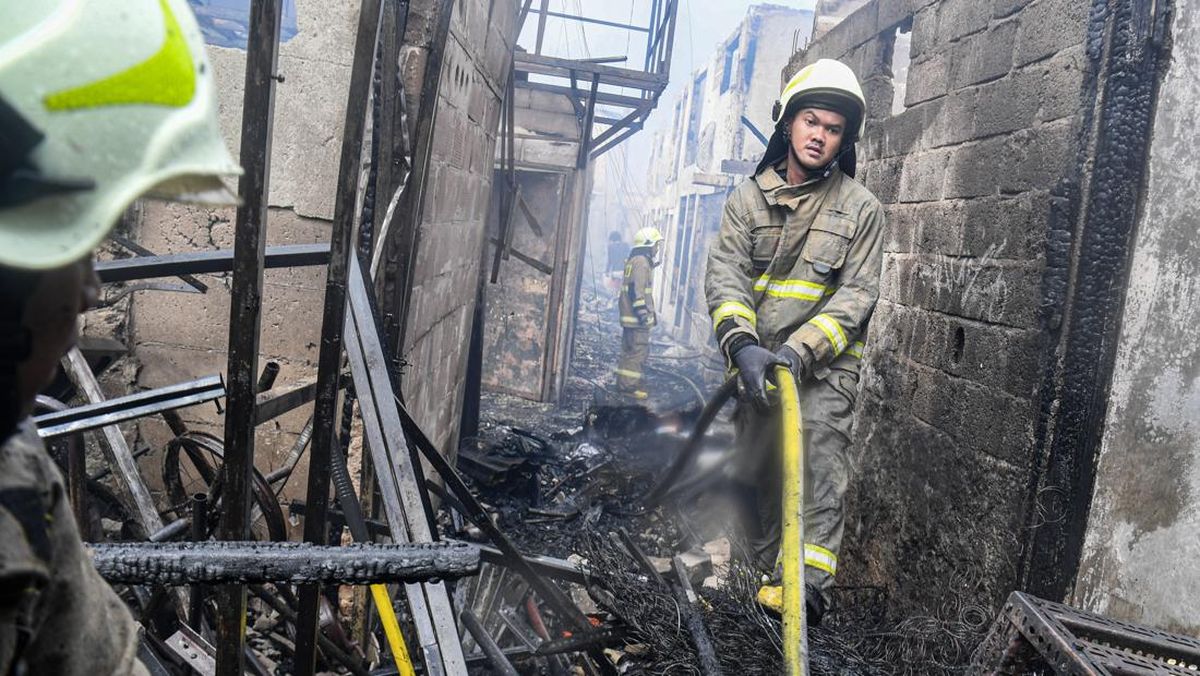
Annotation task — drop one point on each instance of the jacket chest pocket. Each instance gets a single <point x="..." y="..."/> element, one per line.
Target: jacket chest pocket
<point x="828" y="241"/>
<point x="764" y="241"/>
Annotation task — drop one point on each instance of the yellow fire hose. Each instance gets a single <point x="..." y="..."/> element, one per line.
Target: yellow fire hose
<point x="391" y="629"/>
<point x="795" y="638"/>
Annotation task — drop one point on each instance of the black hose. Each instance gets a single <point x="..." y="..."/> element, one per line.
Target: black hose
<point x="688" y="453"/>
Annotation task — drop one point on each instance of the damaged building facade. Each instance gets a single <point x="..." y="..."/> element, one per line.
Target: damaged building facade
<point x="1033" y="269"/>
<point x="714" y="140"/>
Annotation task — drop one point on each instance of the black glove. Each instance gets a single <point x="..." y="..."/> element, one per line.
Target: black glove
<point x="754" y="362"/>
<point x="801" y="363"/>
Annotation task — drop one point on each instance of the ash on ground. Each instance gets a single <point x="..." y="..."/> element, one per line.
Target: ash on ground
<point x="565" y="480"/>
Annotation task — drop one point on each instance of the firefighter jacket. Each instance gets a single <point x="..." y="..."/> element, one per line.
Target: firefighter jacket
<point x="637" y="291"/>
<point x="798" y="265"/>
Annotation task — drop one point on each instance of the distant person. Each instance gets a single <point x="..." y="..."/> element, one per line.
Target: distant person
<point x="88" y="123"/>
<point x="792" y="280"/>
<point x="618" y="251"/>
<point x="636" y="306"/>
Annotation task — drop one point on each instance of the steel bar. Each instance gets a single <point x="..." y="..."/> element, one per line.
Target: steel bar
<point x="199" y="534"/>
<point x="603" y="98"/>
<point x="432" y="612"/>
<point x="193" y="650"/>
<point x="541" y="29"/>
<point x="327" y="646"/>
<point x="329" y="359"/>
<point x="524" y="258"/>
<point x="274" y="403"/>
<point x="601" y="22"/>
<point x="207" y="262"/>
<point x="122" y="409"/>
<point x="224" y="562"/>
<point x="143" y="251"/>
<point x="599" y="638"/>
<point x="131" y="488"/>
<point x="496" y="657"/>
<point x="245" y="315"/>
<point x="552" y="66"/>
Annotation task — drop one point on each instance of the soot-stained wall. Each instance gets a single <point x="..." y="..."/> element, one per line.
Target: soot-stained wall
<point x="970" y="164"/>
<point x="1139" y="560"/>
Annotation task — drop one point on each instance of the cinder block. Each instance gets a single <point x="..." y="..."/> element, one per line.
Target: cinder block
<point x="1006" y="105"/>
<point x="984" y="56"/>
<point x="883" y="179"/>
<point x="1050" y="26"/>
<point x="1040" y="156"/>
<point x="922" y="176"/>
<point x="977" y="169"/>
<point x="925" y="36"/>
<point x="1061" y="84"/>
<point x="1007" y="227"/>
<point x="1003" y="8"/>
<point x="950" y="120"/>
<point x="927" y="79"/>
<point x="957" y="18"/>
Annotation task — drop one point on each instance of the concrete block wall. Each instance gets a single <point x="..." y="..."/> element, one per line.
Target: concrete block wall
<point x="944" y="443"/>
<point x="452" y="229"/>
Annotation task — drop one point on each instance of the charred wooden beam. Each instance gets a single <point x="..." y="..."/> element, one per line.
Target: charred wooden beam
<point x="180" y="563"/>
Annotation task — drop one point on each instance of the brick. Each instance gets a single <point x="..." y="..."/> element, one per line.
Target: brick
<point x="883" y="179"/>
<point x="922" y="175"/>
<point x="1062" y="84"/>
<point x="984" y="56"/>
<point x="957" y="18"/>
<point x="925" y="37"/>
<point x="900" y="134"/>
<point x="984" y="290"/>
<point x="1007" y="227"/>
<point x="927" y="79"/>
<point x="1050" y="26"/>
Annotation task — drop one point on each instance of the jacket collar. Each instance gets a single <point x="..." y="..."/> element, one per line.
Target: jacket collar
<point x="779" y="192"/>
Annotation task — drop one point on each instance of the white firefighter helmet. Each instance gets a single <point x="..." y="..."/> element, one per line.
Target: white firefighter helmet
<point x="648" y="236"/>
<point x="825" y="84"/>
<point x="101" y="102"/>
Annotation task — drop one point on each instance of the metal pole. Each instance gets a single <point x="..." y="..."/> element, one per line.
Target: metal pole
<point x="329" y="361"/>
<point x="245" y="312"/>
<point x="199" y="534"/>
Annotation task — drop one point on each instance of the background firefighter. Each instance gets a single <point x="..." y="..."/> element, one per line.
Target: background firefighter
<point x="792" y="279"/>
<point x="85" y="129"/>
<point x="637" y="313"/>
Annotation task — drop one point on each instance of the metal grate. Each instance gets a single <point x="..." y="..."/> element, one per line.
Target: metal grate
<point x="1033" y="636"/>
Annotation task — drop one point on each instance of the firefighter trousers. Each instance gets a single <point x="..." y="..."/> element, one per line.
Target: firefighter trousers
<point x="635" y="347"/>
<point x="827" y="410"/>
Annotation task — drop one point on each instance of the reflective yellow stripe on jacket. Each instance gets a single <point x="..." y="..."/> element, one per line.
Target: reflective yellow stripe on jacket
<point x="790" y="288"/>
<point x="733" y="309"/>
<point x="833" y="331"/>
<point x="820" y="558"/>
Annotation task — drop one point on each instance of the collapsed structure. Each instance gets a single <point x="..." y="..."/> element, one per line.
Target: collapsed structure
<point x="1017" y="404"/>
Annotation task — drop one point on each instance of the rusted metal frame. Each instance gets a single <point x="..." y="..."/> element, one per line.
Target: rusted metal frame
<point x="140" y="250"/>
<point x="603" y="98"/>
<point x="522" y="15"/>
<point x="554" y="66"/>
<point x="496" y="657"/>
<point x="328" y="647"/>
<point x="245" y="315"/>
<point x="524" y="258"/>
<point x="671" y="12"/>
<point x="132" y="489"/>
<point x="130" y="407"/>
<point x="408" y="238"/>
<point x="478" y="515"/>
<point x="630" y="131"/>
<point x="589" y="120"/>
<point x="76" y="461"/>
<point x="341" y="251"/>
<point x="193" y="650"/>
<point x="618" y="126"/>
<point x="271" y="404"/>
<point x="206" y="262"/>
<point x="541" y="30"/>
<point x="509" y="195"/>
<point x="220" y="562"/>
<point x="651" y="34"/>
<point x="586" y="19"/>
<point x="199" y="534"/>
<point x="405" y="506"/>
<point x="598" y="638"/>
<point x="395" y="148"/>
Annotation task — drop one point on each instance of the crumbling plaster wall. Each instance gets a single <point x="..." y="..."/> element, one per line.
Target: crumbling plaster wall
<point x="1140" y="554"/>
<point x="944" y="442"/>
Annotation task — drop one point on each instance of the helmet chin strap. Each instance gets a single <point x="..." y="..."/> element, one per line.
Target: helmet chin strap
<point x="828" y="170"/>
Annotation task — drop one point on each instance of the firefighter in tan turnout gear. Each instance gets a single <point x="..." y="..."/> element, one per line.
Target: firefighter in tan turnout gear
<point x="101" y="103"/>
<point x="637" y="311"/>
<point x="792" y="280"/>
